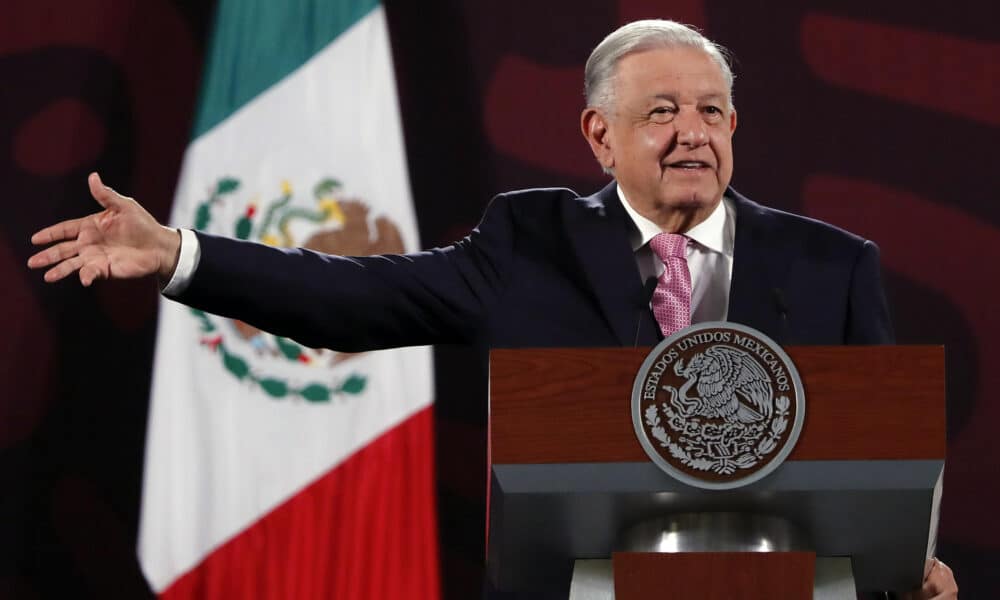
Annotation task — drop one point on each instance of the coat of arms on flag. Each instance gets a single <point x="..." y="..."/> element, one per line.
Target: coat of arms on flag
<point x="331" y="224"/>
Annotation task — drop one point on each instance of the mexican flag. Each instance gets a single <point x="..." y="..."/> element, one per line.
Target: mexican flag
<point x="274" y="470"/>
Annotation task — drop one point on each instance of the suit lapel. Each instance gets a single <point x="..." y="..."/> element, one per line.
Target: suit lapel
<point x="760" y="267"/>
<point x="598" y="232"/>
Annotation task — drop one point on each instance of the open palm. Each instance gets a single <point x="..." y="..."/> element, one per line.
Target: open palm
<point x="123" y="241"/>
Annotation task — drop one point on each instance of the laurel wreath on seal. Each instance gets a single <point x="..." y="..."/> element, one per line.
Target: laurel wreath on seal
<point x="236" y="364"/>
<point x="723" y="465"/>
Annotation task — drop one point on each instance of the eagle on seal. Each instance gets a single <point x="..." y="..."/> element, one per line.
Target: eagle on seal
<point x="731" y="385"/>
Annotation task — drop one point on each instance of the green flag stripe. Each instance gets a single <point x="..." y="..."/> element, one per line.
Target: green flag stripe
<point x="258" y="42"/>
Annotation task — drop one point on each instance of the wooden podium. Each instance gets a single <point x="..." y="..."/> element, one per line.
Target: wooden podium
<point x="568" y="474"/>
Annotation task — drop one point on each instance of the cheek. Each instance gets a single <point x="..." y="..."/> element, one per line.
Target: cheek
<point x="654" y="140"/>
<point x="723" y="149"/>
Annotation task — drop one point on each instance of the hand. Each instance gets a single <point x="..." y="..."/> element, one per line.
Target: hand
<point x="939" y="583"/>
<point x="123" y="241"/>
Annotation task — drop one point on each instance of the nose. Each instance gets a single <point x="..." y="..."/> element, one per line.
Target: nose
<point x="691" y="130"/>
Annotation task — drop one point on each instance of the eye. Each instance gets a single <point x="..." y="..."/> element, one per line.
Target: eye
<point x="662" y="114"/>
<point x="712" y="112"/>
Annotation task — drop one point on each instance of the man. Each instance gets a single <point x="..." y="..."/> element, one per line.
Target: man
<point x="546" y="267"/>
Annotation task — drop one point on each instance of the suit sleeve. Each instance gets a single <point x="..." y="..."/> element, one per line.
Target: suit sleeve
<point x="868" y="320"/>
<point x="354" y="304"/>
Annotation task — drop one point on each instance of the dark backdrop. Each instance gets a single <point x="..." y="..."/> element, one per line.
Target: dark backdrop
<point x="879" y="117"/>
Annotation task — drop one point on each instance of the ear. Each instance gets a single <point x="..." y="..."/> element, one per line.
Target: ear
<point x="732" y="121"/>
<point x="594" y="125"/>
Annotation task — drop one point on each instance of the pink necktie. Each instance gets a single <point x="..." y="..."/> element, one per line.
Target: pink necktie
<point x="672" y="297"/>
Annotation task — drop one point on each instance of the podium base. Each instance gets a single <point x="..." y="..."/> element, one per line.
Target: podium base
<point x="594" y="580"/>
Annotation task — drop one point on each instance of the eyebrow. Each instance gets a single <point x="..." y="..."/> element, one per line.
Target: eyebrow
<point x="713" y="96"/>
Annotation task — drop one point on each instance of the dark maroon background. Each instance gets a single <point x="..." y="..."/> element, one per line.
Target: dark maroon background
<point x="878" y="116"/>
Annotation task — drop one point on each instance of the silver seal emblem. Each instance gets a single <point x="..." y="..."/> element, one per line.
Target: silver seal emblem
<point x="718" y="405"/>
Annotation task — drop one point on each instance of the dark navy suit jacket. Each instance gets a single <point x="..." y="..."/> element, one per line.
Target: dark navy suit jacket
<point x="545" y="267"/>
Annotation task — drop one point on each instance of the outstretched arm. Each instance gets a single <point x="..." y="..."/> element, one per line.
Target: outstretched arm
<point x="123" y="241"/>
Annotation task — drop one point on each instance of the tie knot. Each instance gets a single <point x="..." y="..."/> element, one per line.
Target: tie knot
<point x="667" y="245"/>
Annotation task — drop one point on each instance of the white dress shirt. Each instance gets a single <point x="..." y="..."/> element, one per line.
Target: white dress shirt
<point x="709" y="257"/>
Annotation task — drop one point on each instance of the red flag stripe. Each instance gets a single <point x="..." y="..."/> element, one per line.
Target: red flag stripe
<point x="364" y="531"/>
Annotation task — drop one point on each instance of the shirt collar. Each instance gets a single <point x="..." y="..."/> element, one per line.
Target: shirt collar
<point x="710" y="233"/>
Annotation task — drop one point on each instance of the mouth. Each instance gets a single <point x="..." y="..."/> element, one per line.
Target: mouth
<point x="689" y="165"/>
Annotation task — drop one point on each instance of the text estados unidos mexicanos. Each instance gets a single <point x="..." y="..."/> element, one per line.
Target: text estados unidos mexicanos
<point x="714" y="337"/>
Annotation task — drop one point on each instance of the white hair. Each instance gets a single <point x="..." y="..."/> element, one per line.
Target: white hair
<point x="638" y="36"/>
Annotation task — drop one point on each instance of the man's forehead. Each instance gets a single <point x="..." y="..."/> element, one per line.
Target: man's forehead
<point x="672" y="62"/>
<point x="671" y="72"/>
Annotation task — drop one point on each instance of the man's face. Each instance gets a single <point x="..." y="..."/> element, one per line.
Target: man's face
<point x="669" y="131"/>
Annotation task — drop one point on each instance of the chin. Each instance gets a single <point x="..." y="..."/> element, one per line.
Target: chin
<point x="693" y="200"/>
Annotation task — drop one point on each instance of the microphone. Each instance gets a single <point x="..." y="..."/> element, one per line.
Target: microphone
<point x="782" y="306"/>
<point x="644" y="299"/>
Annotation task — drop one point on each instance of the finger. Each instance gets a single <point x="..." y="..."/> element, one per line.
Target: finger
<point x="63" y="269"/>
<point x="59" y="231"/>
<point x="945" y="569"/>
<point x="942" y="581"/>
<point x="56" y="253"/>
<point x="929" y="567"/>
<point x="91" y="272"/>
<point x="105" y="196"/>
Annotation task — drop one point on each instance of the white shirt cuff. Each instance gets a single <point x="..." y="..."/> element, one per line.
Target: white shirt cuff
<point x="187" y="263"/>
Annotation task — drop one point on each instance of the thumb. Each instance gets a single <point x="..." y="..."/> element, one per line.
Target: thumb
<point x="105" y="196"/>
